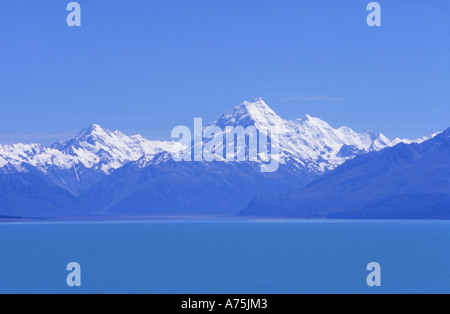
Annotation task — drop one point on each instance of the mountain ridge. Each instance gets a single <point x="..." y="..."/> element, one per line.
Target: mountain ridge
<point x="100" y="172"/>
<point x="95" y="147"/>
<point x="407" y="181"/>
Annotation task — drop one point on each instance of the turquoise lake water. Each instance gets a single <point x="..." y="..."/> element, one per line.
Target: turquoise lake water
<point x="226" y="257"/>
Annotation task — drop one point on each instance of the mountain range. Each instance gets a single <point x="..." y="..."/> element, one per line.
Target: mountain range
<point x="99" y="173"/>
<point x="402" y="182"/>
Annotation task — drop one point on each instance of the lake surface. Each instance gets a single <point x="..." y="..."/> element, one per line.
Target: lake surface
<point x="226" y="257"/>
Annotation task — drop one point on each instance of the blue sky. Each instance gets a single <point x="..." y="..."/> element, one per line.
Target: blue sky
<point x="147" y="66"/>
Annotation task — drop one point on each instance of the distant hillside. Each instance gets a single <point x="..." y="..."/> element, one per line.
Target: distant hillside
<point x="403" y="182"/>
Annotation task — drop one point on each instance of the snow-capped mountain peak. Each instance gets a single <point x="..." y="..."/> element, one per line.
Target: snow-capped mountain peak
<point x="308" y="143"/>
<point x="256" y="113"/>
<point x="110" y="150"/>
<point x="91" y="134"/>
<point x="93" y="147"/>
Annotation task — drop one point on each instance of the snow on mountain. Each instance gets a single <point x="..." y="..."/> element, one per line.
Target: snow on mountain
<point x="408" y="181"/>
<point x="35" y="155"/>
<point x="256" y="113"/>
<point x="110" y="150"/>
<point x="93" y="147"/>
<point x="309" y="142"/>
<point x="418" y="141"/>
<point x="101" y="172"/>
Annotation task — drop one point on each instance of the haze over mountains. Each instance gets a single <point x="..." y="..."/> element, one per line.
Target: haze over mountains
<point x="103" y="173"/>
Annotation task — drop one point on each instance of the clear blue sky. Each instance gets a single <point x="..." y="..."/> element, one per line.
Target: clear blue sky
<point x="146" y="66"/>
